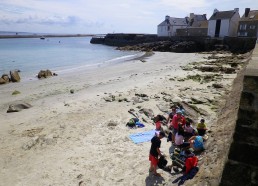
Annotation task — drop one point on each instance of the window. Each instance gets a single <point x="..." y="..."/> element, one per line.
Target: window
<point x="168" y="28"/>
<point x="252" y="26"/>
<point x="243" y="27"/>
<point x="242" y="33"/>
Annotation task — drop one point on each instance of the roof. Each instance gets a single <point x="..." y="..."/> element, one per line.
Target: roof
<point x="174" y="21"/>
<point x="200" y="17"/>
<point x="197" y="20"/>
<point x="222" y="15"/>
<point x="201" y="24"/>
<point x="252" y="16"/>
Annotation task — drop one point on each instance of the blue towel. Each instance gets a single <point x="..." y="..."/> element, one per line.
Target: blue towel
<point x="143" y="136"/>
<point x="139" y="125"/>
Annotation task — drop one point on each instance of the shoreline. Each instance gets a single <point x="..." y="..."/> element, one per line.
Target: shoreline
<point x="81" y="137"/>
<point x="44" y="35"/>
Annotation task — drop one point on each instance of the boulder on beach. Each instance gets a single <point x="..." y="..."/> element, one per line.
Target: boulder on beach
<point x="2" y="81"/>
<point x="18" y="107"/>
<point x="15" y="77"/>
<point x="44" y="74"/>
<point x="6" y="78"/>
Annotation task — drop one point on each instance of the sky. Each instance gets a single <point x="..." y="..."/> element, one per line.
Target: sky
<point x="104" y="16"/>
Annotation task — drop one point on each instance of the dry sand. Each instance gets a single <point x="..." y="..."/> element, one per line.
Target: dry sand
<point x="67" y="139"/>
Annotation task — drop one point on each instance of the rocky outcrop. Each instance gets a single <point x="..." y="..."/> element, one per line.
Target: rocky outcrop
<point x="167" y="46"/>
<point x="18" y="107"/>
<point x="44" y="74"/>
<point x="6" y="78"/>
<point x="14" y="76"/>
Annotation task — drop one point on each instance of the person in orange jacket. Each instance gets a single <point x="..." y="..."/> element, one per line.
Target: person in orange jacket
<point x="190" y="167"/>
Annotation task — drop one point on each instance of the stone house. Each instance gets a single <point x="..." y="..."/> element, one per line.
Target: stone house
<point x="169" y="26"/>
<point x="197" y="26"/>
<point x="223" y="23"/>
<point x="248" y="24"/>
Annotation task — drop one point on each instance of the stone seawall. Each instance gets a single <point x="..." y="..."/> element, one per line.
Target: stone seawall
<point x="241" y="167"/>
<point x="202" y="43"/>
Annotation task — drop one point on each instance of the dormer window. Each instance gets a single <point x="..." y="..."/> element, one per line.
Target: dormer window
<point x="243" y="27"/>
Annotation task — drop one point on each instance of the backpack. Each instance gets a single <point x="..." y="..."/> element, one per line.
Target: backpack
<point x="132" y="122"/>
<point x="162" y="162"/>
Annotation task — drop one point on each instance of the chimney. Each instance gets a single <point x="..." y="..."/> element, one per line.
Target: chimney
<point x="215" y="11"/>
<point x="204" y="16"/>
<point x="191" y="16"/>
<point x="236" y="10"/>
<point x="247" y="10"/>
<point x="167" y="19"/>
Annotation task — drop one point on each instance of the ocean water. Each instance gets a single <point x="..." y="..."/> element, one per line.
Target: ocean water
<point x="60" y="55"/>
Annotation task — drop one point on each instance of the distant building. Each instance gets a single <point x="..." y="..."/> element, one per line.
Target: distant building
<point x="248" y="24"/>
<point x="169" y="26"/>
<point x="223" y="23"/>
<point x="197" y="26"/>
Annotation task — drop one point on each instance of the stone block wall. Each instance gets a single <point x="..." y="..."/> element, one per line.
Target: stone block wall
<point x="242" y="165"/>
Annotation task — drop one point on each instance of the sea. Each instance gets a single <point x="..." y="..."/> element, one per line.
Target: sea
<point x="58" y="54"/>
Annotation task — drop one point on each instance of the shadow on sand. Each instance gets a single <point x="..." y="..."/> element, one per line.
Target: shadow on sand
<point x="152" y="180"/>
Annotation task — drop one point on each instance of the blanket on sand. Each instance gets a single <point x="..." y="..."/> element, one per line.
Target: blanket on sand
<point x="143" y="136"/>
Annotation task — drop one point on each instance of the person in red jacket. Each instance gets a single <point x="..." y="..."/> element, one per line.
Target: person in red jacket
<point x="191" y="168"/>
<point x="178" y="119"/>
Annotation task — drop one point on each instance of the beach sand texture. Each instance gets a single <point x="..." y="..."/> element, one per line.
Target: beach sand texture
<point x="70" y="138"/>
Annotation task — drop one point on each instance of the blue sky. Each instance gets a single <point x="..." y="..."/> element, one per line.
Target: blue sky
<point x="104" y="16"/>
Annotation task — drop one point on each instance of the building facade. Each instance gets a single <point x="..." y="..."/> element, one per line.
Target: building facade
<point x="223" y="23"/>
<point x="248" y="24"/>
<point x="197" y="26"/>
<point x="169" y="26"/>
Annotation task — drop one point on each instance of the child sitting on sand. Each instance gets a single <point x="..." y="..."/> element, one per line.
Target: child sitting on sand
<point x="189" y="130"/>
<point x="201" y="127"/>
<point x="196" y="143"/>
<point x="179" y="138"/>
<point x="190" y="167"/>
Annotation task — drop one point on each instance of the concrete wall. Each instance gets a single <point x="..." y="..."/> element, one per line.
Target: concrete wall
<point x="242" y="165"/>
<point x="192" y="31"/>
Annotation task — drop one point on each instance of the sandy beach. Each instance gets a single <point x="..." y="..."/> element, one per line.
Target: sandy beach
<point x="81" y="138"/>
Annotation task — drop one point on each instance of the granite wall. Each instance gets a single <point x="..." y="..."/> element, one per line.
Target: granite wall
<point x="241" y="168"/>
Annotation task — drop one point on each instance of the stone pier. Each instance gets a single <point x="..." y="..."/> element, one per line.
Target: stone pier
<point x="241" y="168"/>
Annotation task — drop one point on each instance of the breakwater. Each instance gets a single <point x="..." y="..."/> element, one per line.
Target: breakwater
<point x="149" y="42"/>
<point x="241" y="167"/>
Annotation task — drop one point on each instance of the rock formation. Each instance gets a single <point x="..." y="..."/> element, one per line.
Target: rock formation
<point x="44" y="74"/>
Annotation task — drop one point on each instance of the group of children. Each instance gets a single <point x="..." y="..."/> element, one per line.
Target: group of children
<point x="185" y="139"/>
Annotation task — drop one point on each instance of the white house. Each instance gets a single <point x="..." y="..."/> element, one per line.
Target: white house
<point x="223" y="23"/>
<point x="170" y="24"/>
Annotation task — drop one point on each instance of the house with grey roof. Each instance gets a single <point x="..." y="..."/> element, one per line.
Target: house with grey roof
<point x="223" y="23"/>
<point x="197" y="26"/>
<point x="169" y="26"/>
<point x="248" y="24"/>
